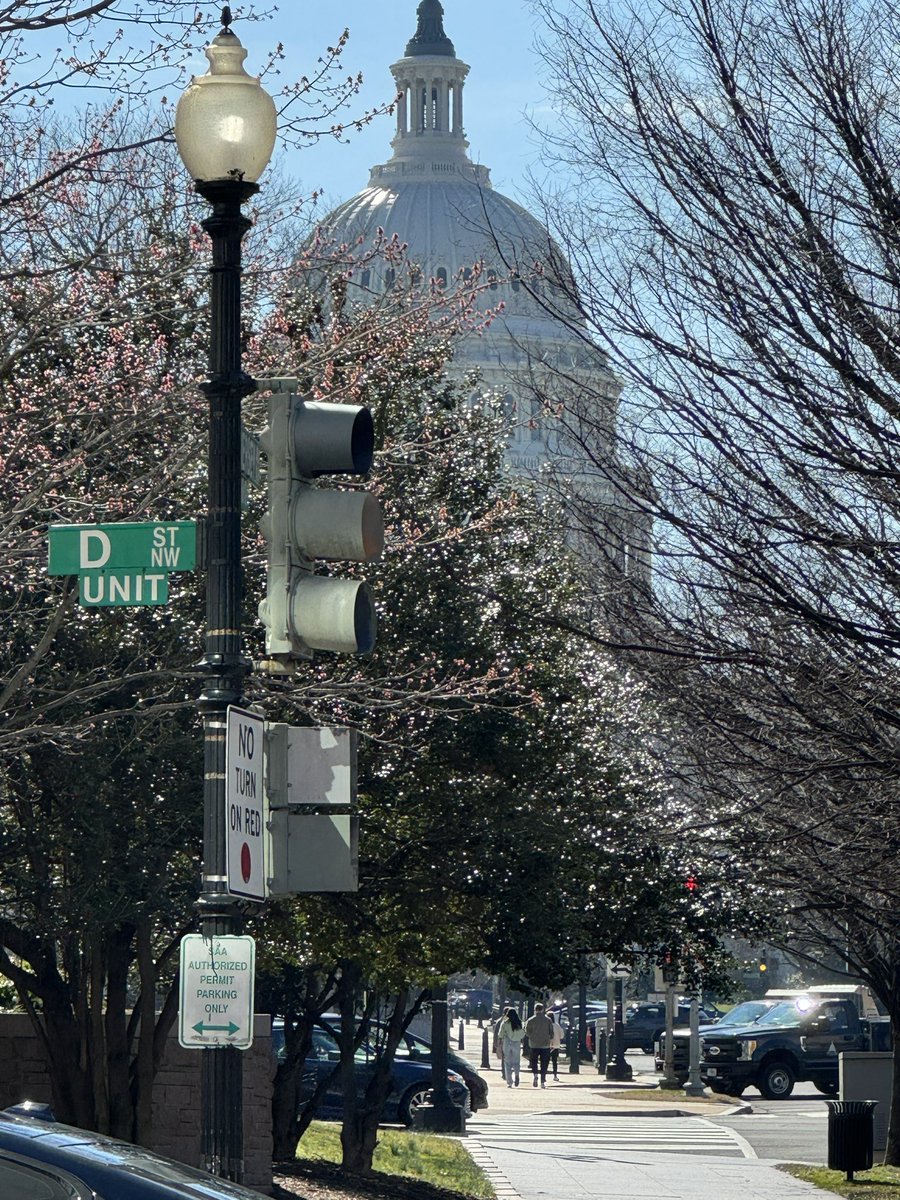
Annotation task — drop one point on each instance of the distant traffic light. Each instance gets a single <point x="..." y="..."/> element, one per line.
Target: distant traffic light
<point x="763" y="965"/>
<point x="304" y="524"/>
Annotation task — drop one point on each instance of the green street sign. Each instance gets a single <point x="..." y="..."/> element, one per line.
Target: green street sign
<point x="127" y="546"/>
<point x="117" y="589"/>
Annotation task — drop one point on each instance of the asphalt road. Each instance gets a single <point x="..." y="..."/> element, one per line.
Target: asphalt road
<point x="792" y="1130"/>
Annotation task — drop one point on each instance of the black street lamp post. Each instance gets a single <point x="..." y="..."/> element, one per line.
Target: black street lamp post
<point x="225" y="129"/>
<point x="617" y="1067"/>
<point x="440" y="1114"/>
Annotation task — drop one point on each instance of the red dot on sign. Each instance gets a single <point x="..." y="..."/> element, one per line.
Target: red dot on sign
<point x="246" y="863"/>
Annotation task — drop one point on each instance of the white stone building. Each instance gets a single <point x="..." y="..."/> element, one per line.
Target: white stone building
<point x="537" y="353"/>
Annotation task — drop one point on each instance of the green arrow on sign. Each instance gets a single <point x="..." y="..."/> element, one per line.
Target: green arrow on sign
<point x="230" y="1028"/>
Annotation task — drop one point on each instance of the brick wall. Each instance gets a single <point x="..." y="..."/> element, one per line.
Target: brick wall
<point x="176" y="1093"/>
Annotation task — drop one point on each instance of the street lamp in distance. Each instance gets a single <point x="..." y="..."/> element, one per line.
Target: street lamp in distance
<point x="225" y="127"/>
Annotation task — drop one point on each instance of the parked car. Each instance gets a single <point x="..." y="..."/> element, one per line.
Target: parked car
<point x="419" y="1050"/>
<point x="645" y="1022"/>
<point x="416" y="1047"/>
<point x="411" y="1079"/>
<point x="475" y="1004"/>
<point x="42" y="1160"/>
<point x="595" y="1010"/>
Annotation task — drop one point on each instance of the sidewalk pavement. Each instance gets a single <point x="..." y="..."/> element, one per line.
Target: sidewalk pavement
<point x="541" y="1170"/>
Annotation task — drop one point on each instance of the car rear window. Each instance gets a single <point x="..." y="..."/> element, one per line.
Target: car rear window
<point x="21" y="1181"/>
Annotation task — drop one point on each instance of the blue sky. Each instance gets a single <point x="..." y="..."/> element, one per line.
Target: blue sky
<point x="495" y="37"/>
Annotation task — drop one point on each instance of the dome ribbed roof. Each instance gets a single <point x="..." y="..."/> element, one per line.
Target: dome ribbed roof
<point x="433" y="198"/>
<point x="450" y="226"/>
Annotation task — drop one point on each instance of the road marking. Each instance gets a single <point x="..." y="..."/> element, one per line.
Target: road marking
<point x="662" y="1134"/>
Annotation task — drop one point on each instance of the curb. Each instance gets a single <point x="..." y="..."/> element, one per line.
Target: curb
<point x="737" y="1110"/>
<point x="502" y="1187"/>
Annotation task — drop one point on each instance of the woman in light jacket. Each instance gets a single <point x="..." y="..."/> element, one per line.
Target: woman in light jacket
<point x="556" y="1041"/>
<point x="510" y="1037"/>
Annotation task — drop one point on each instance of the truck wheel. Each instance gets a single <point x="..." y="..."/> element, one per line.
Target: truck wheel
<point x="826" y="1087"/>
<point x="776" y="1081"/>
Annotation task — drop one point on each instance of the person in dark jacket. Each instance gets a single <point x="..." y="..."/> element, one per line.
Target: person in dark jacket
<point x="539" y="1031"/>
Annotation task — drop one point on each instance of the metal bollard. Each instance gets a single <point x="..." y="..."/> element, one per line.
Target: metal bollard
<point x="601" y="1050"/>
<point x="485" y="1051"/>
<point x="462" y="1036"/>
<point x="573" y="1049"/>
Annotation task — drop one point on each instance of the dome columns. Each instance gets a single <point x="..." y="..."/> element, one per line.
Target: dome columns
<point x="430" y="103"/>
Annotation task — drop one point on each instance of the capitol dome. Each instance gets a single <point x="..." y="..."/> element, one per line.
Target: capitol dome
<point x="441" y="205"/>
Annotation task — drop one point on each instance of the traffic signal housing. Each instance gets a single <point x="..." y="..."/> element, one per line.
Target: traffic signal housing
<point x="306" y="524"/>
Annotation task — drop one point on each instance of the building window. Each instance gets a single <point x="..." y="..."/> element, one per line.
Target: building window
<point x="390" y="278"/>
<point x="442" y="276"/>
<point x="536" y="410"/>
<point x="492" y="279"/>
<point x="366" y="278"/>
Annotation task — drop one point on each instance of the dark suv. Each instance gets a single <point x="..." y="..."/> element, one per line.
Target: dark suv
<point x="645" y="1022"/>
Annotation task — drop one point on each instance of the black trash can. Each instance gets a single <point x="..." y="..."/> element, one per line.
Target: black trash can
<point x="851" y="1134"/>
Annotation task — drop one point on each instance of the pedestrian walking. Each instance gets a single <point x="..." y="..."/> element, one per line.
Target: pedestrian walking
<point x="556" y="1041"/>
<point x="510" y="1035"/>
<point x="496" y="1048"/>
<point x="539" y="1028"/>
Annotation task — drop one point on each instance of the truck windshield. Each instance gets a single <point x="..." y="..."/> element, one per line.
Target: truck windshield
<point x="789" y="1012"/>
<point x="746" y="1013"/>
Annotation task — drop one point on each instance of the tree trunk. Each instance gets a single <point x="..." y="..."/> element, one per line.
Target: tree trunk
<point x="288" y="1123"/>
<point x="359" y="1137"/>
<point x="352" y="1156"/>
<point x="72" y="1095"/>
<point x="892" y="1153"/>
<point x="115" y="1070"/>
<point x="143" y="1067"/>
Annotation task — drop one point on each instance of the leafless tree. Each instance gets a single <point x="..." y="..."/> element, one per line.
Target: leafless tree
<point x="731" y="212"/>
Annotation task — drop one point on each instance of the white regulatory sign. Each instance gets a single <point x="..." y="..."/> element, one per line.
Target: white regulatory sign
<point x="245" y="804"/>
<point x="216" y="999"/>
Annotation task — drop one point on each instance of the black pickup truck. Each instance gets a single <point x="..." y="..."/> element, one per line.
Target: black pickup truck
<point x="739" y="1017"/>
<point x="797" y="1039"/>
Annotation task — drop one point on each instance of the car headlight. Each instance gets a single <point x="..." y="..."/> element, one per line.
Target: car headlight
<point x="712" y="1051"/>
<point x="748" y="1049"/>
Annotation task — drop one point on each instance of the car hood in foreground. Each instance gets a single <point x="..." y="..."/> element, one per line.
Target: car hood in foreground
<point x="106" y="1164"/>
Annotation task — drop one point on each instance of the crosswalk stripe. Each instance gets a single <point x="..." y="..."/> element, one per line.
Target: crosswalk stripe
<point x="634" y="1133"/>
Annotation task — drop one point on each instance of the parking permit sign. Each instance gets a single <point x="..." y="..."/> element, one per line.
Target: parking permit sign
<point x="216" y="998"/>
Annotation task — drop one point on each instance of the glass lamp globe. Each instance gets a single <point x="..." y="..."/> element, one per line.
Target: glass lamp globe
<point x="225" y="122"/>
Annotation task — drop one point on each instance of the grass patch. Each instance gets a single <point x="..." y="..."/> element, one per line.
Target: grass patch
<point x="440" y="1161"/>
<point x="881" y="1183"/>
